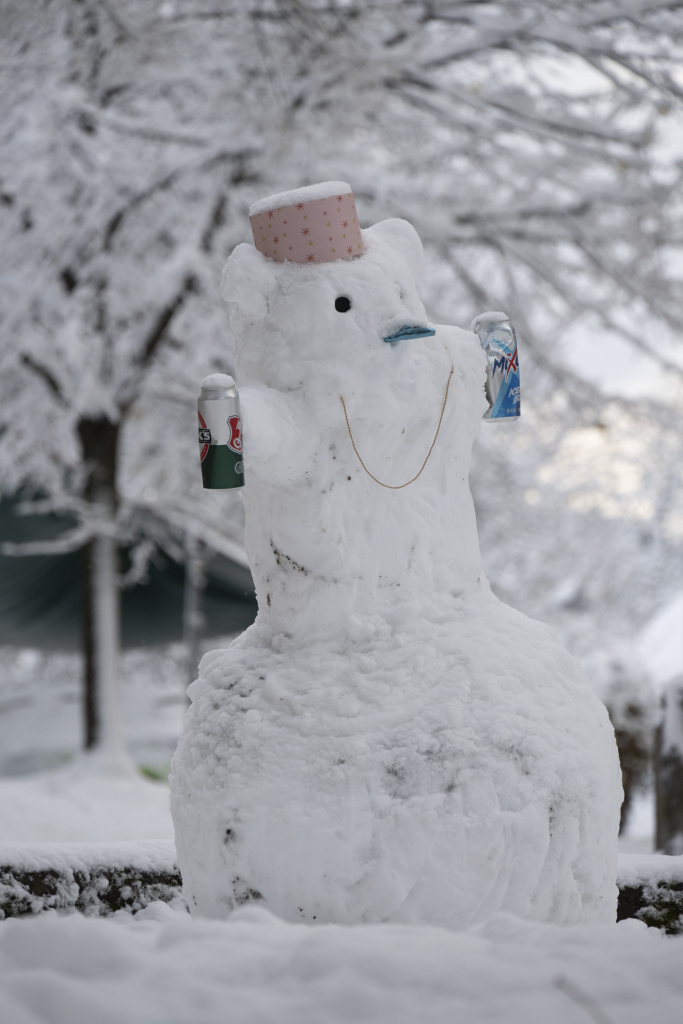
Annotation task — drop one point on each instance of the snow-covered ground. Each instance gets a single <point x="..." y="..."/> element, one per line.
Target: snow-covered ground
<point x="78" y="804"/>
<point x="161" y="967"/>
<point x="639" y="833"/>
<point x="40" y="706"/>
<point x="49" y="792"/>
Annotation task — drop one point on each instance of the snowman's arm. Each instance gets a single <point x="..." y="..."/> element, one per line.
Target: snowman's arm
<point x="271" y="432"/>
<point x="465" y="351"/>
<point x="268" y="423"/>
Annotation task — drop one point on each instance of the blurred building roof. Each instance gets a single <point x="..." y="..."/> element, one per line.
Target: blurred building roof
<point x="40" y="595"/>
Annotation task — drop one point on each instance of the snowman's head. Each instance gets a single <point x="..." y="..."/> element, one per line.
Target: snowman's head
<point x="290" y="319"/>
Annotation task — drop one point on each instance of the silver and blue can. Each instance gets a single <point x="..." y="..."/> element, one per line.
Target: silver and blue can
<point x="220" y="433"/>
<point x="499" y="341"/>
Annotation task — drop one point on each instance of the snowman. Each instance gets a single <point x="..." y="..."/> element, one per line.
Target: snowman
<point x="388" y="741"/>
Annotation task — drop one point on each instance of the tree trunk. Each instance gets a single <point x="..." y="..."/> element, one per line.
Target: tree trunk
<point x="631" y="760"/>
<point x="103" y="709"/>
<point x="668" y="765"/>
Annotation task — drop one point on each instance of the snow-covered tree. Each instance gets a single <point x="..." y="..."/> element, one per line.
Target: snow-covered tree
<point x="533" y="146"/>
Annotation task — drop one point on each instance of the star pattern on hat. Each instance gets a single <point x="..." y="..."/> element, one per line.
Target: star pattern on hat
<point x="318" y="232"/>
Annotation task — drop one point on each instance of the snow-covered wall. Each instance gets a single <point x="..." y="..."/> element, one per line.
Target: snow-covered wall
<point x="95" y="878"/>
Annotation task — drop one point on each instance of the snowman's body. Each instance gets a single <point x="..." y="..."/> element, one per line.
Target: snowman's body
<point x="388" y="741"/>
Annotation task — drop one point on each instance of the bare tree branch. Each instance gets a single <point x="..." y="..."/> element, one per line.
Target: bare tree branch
<point x="47" y="378"/>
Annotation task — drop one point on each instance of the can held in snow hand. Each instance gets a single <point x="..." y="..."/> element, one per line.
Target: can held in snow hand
<point x="220" y="433"/>
<point x="499" y="341"/>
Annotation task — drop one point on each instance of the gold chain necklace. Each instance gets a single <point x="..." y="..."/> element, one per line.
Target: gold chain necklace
<point x="399" y="487"/>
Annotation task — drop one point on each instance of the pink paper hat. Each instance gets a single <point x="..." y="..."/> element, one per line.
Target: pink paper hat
<point x="315" y="224"/>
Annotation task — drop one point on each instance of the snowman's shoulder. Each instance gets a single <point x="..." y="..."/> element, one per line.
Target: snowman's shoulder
<point x="464" y="349"/>
<point x="457" y="337"/>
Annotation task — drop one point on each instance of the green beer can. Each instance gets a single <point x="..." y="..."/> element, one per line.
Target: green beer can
<point x="220" y="433"/>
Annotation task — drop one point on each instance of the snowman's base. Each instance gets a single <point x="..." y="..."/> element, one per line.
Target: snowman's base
<point x="433" y="773"/>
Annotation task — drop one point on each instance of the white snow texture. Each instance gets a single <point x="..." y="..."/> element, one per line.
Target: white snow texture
<point x="217" y="381"/>
<point x="161" y="967"/>
<point x="388" y="741"/>
<point x="307" y="194"/>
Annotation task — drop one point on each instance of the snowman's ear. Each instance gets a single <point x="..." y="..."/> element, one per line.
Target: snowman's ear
<point x="248" y="280"/>
<point x="401" y="238"/>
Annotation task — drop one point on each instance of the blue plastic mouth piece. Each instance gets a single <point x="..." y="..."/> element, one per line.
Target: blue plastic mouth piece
<point x="410" y="331"/>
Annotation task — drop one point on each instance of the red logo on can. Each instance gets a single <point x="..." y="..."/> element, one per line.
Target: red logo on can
<point x="512" y="364"/>
<point x="204" y="451"/>
<point x="235" y="441"/>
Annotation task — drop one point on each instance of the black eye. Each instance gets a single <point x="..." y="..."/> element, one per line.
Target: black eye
<point x="342" y="304"/>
